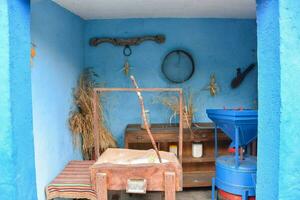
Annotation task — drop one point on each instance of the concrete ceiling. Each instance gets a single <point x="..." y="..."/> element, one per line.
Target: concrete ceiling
<point x="110" y="9"/>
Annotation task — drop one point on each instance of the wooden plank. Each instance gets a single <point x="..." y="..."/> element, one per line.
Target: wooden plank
<point x="198" y="160"/>
<point x="86" y="176"/>
<point x="101" y="186"/>
<point x="197" y="178"/>
<point x="141" y="137"/>
<point x="137" y="89"/>
<point x="170" y="193"/>
<point x="82" y="162"/>
<point x="71" y="180"/>
<point x="77" y="172"/>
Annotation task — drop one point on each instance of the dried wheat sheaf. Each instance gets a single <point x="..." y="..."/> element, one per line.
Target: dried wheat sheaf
<point x="81" y="118"/>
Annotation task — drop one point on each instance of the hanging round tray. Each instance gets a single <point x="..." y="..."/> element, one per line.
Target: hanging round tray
<point x="178" y="66"/>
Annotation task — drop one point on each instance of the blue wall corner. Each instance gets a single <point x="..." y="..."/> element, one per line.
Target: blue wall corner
<point x="289" y="159"/>
<point x="7" y="167"/>
<point x="217" y="45"/>
<point x="17" y="165"/>
<point x="269" y="99"/>
<point x="58" y="37"/>
<point x="278" y="84"/>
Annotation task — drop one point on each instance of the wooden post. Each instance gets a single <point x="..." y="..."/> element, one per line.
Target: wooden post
<point x="101" y="186"/>
<point x="180" y="125"/>
<point x="170" y="192"/>
<point x="96" y="124"/>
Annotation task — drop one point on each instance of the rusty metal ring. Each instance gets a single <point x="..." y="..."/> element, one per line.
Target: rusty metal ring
<point x="127" y="51"/>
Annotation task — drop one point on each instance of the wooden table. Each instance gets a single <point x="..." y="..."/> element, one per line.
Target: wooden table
<point x="115" y="167"/>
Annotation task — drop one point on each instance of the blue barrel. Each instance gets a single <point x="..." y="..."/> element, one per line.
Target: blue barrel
<point x="236" y="180"/>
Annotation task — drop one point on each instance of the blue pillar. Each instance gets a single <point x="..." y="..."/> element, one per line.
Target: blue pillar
<point x="17" y="170"/>
<point x="268" y="99"/>
<point x="278" y="29"/>
<point x="289" y="148"/>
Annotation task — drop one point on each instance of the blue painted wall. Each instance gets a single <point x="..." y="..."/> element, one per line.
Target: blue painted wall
<point x="7" y="168"/>
<point x="58" y="36"/>
<point x="289" y="159"/>
<point x="269" y="99"/>
<point x="17" y="170"/>
<point x="217" y="45"/>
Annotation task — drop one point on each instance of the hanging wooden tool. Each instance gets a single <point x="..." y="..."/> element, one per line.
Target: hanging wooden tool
<point x="240" y="76"/>
<point x="127" y="41"/>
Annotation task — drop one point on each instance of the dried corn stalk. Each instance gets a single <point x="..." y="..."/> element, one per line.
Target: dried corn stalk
<point x="81" y="119"/>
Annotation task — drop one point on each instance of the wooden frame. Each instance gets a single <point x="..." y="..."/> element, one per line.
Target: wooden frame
<point x="95" y="114"/>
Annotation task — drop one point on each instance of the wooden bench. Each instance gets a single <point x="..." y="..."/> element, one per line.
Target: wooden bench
<point x="73" y="182"/>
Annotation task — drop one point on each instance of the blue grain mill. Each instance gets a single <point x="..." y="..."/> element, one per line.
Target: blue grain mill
<point x="236" y="173"/>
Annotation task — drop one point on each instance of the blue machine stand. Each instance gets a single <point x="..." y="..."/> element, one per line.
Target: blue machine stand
<point x="235" y="174"/>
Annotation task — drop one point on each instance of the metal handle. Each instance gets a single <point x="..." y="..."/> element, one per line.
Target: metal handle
<point x="139" y="137"/>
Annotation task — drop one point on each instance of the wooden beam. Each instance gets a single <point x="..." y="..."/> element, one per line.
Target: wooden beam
<point x="180" y="126"/>
<point x="137" y="89"/>
<point x="96" y="124"/>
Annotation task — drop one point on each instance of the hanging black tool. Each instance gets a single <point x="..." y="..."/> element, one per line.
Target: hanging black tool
<point x="240" y="76"/>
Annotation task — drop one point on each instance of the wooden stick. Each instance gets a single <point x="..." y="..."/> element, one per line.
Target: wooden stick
<point x="180" y="125"/>
<point x="145" y="118"/>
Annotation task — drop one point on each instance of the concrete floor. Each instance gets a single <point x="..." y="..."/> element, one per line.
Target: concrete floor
<point x="194" y="194"/>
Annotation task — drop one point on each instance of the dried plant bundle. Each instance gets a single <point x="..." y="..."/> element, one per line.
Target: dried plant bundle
<point x="172" y="102"/>
<point x="81" y="119"/>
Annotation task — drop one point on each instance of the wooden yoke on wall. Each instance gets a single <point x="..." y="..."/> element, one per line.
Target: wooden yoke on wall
<point x="128" y="41"/>
<point x="96" y="122"/>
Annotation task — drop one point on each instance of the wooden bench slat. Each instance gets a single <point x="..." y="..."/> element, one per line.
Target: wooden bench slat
<point x="87" y="176"/>
<point x="72" y="172"/>
<point x="82" y="162"/>
<point x="76" y="168"/>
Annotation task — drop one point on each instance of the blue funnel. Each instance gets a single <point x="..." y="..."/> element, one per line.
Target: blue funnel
<point x="227" y="120"/>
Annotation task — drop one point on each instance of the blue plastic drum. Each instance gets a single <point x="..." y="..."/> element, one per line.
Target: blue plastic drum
<point x="236" y="180"/>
